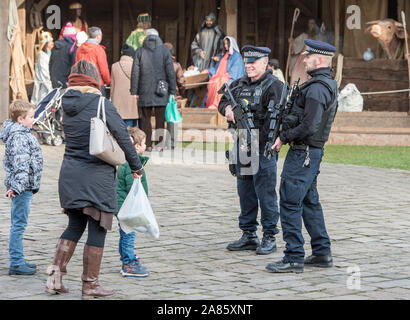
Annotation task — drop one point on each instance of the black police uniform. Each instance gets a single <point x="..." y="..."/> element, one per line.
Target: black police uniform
<point x="306" y="129"/>
<point x="256" y="188"/>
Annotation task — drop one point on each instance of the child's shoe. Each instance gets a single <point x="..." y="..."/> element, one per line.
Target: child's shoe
<point x="31" y="265"/>
<point x="134" y="269"/>
<point x="22" y="269"/>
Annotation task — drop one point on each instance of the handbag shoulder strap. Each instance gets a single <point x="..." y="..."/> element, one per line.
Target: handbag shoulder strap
<point x="101" y="109"/>
<point x="128" y="77"/>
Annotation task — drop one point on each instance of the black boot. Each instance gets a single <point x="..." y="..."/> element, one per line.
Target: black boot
<point x="325" y="261"/>
<point x="268" y="244"/>
<point x="248" y="241"/>
<point x="283" y="267"/>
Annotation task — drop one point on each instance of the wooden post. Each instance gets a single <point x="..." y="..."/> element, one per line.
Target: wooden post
<point x="403" y="17"/>
<point x="149" y="8"/>
<point x="337" y="26"/>
<point x="232" y="18"/>
<point x="4" y="62"/>
<point x="281" y="30"/>
<point x="181" y="31"/>
<point x="187" y="48"/>
<point x="116" y="30"/>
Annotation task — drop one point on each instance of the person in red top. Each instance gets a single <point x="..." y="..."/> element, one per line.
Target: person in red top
<point x="93" y="52"/>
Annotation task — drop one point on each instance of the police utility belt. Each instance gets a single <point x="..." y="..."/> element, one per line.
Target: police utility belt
<point x="299" y="146"/>
<point x="302" y="147"/>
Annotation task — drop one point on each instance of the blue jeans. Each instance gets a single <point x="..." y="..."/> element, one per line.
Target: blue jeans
<point x="256" y="191"/>
<point x="126" y="247"/>
<point x="20" y="208"/>
<point x="299" y="200"/>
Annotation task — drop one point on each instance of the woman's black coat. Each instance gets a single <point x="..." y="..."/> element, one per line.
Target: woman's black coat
<point x="86" y="181"/>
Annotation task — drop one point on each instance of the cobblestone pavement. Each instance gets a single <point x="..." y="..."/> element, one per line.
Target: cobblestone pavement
<point x="366" y="211"/>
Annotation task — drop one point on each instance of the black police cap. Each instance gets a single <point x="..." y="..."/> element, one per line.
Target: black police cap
<point x="319" y="47"/>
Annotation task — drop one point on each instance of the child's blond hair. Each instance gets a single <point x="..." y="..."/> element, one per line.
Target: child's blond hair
<point x="137" y="135"/>
<point x="19" y="108"/>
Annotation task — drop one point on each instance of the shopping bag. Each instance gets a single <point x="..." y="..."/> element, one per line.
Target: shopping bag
<point x="171" y="111"/>
<point x="136" y="213"/>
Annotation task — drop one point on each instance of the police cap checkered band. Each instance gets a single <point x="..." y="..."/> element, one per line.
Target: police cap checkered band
<point x="319" y="47"/>
<point x="252" y="53"/>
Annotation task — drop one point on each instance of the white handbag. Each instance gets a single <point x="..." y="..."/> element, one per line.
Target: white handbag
<point x="102" y="144"/>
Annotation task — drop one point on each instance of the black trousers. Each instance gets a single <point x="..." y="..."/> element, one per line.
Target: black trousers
<point x="146" y="113"/>
<point x="77" y="222"/>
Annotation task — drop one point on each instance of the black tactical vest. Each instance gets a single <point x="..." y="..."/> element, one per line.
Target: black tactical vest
<point x="322" y="134"/>
<point x="253" y="96"/>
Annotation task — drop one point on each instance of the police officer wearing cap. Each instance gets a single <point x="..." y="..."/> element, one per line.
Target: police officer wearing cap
<point x="255" y="187"/>
<point x="306" y="128"/>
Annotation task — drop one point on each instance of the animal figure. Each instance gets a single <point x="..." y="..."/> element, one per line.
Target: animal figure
<point x="390" y="34"/>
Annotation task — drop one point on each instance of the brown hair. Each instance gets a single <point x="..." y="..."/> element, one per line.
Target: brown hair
<point x="19" y="108"/>
<point x="87" y="68"/>
<point x="137" y="134"/>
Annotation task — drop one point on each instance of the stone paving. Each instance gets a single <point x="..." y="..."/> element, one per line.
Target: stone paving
<point x="366" y="210"/>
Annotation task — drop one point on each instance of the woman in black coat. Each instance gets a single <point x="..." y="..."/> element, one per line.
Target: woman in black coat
<point x="152" y="62"/>
<point x="87" y="185"/>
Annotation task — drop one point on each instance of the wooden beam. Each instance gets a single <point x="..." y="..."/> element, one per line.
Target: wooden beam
<point x="4" y="62"/>
<point x="116" y="30"/>
<point x="232" y="18"/>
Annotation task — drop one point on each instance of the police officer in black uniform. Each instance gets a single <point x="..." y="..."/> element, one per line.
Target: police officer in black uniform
<point x="256" y="181"/>
<point x="306" y="128"/>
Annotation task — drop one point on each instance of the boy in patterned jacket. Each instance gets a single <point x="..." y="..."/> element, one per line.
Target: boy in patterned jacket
<point x="23" y="163"/>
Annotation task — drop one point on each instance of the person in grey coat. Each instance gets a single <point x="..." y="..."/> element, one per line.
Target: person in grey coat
<point x="152" y="63"/>
<point x="87" y="185"/>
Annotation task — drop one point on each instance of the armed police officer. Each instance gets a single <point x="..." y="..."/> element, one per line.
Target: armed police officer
<point x="306" y="128"/>
<point x="256" y="174"/>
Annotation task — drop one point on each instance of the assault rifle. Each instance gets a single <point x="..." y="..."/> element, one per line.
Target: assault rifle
<point x="276" y="115"/>
<point x="243" y="116"/>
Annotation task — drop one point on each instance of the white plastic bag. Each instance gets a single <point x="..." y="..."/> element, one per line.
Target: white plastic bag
<point x="136" y="213"/>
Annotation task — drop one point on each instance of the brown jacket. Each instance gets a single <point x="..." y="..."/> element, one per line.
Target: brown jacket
<point x="180" y="81"/>
<point x="125" y="103"/>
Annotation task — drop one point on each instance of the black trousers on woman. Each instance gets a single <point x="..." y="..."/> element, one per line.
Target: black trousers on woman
<point x="77" y="222"/>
